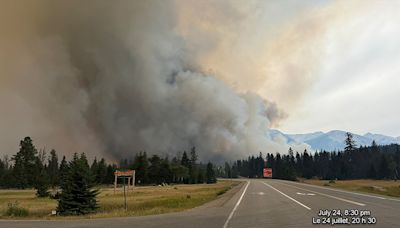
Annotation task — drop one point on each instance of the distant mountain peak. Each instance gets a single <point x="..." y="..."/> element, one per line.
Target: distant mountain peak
<point x="334" y="139"/>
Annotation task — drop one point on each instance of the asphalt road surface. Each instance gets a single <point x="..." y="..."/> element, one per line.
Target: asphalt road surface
<point x="260" y="203"/>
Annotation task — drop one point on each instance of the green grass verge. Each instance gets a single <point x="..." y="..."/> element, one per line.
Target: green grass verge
<point x="140" y="201"/>
<point x="381" y="187"/>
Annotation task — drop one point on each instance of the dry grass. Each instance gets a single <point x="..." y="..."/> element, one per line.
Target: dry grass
<point x="140" y="201"/>
<point x="382" y="187"/>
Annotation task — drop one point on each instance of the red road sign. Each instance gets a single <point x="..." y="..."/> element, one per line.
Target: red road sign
<point x="268" y="172"/>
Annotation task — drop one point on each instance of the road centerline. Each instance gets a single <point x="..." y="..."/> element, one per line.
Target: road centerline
<point x="301" y="204"/>
<point x="236" y="206"/>
<point x="330" y="196"/>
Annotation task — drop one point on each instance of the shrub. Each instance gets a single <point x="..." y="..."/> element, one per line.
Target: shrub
<point x="221" y="192"/>
<point x="15" y="210"/>
<point x="332" y="181"/>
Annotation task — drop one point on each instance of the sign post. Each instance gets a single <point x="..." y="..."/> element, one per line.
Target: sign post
<point x="125" y="175"/>
<point x="125" y="194"/>
<point x="267" y="173"/>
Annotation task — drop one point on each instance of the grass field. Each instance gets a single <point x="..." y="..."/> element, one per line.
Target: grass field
<point x="382" y="187"/>
<point x="140" y="201"/>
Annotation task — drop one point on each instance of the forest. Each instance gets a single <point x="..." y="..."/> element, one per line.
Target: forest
<point x="30" y="168"/>
<point x="365" y="162"/>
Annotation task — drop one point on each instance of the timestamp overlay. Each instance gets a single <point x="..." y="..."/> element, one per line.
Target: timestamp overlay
<point x="344" y="217"/>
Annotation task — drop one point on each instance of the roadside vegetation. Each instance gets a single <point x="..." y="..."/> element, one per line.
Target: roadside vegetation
<point x="376" y="162"/>
<point x="381" y="187"/>
<point x="75" y="183"/>
<point x="146" y="200"/>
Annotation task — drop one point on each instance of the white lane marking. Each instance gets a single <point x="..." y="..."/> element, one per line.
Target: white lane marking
<point x="287" y="196"/>
<point x="354" y="193"/>
<point x="305" y="194"/>
<point x="334" y="197"/>
<point x="237" y="204"/>
<point x="393" y="199"/>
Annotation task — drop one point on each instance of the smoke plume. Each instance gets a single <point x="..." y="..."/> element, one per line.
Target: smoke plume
<point x="112" y="78"/>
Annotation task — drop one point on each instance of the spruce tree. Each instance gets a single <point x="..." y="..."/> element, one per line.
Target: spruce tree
<point x="141" y="165"/>
<point x="210" y="174"/>
<point x="41" y="183"/>
<point x="78" y="196"/>
<point x="193" y="166"/>
<point x="349" y="142"/>
<point x="25" y="164"/>
<point x="52" y="169"/>
<point x="63" y="171"/>
<point x="109" y="179"/>
<point x="186" y="163"/>
<point x="101" y="172"/>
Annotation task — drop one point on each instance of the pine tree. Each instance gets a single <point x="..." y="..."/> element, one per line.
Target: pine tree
<point x="186" y="163"/>
<point x="63" y="171"/>
<point x="101" y="172"/>
<point x="210" y="174"/>
<point x="201" y="174"/>
<point x="110" y="174"/>
<point x="25" y="164"/>
<point x="193" y="166"/>
<point x="78" y="196"/>
<point x="41" y="183"/>
<point x="52" y="169"/>
<point x="155" y="169"/>
<point x="349" y="142"/>
<point x="93" y="169"/>
<point x="141" y="165"/>
<point x="185" y="160"/>
<point x="228" y="170"/>
<point x="165" y="171"/>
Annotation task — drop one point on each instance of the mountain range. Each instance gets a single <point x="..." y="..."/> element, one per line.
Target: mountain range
<point x="334" y="140"/>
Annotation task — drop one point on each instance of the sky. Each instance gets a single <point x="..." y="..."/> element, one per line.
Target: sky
<point x="326" y="64"/>
<point x="357" y="85"/>
<point x="114" y="78"/>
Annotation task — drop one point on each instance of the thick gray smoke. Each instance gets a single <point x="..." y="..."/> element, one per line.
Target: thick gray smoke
<point x="112" y="78"/>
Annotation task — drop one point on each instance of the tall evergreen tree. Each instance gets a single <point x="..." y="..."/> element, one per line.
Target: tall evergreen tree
<point x="78" y="196"/>
<point x="63" y="171"/>
<point x="141" y="165"/>
<point x="100" y="176"/>
<point x="52" y="169"/>
<point x="155" y="174"/>
<point x="193" y="172"/>
<point x="210" y="174"/>
<point x="110" y="174"/>
<point x="349" y="142"/>
<point x="41" y="183"/>
<point x="185" y="162"/>
<point x="25" y="164"/>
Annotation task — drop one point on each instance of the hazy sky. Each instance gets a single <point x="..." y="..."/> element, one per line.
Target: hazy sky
<point x="357" y="85"/>
<point x="113" y="78"/>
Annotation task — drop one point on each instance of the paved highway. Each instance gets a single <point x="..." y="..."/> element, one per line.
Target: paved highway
<point x="260" y="203"/>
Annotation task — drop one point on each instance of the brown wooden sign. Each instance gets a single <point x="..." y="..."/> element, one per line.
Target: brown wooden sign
<point x="124" y="173"/>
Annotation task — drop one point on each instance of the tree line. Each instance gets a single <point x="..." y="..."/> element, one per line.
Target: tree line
<point x="30" y="168"/>
<point x="74" y="182"/>
<point x="364" y="162"/>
